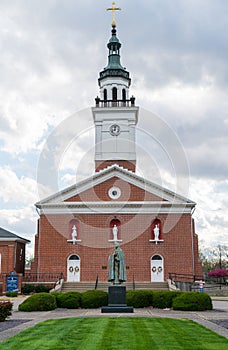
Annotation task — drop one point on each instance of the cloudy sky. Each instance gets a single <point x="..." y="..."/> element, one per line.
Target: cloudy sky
<point x="51" y="54"/>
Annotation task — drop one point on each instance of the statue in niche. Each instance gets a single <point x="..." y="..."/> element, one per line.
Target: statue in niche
<point x="74" y="234"/>
<point x="115" y="233"/>
<point x="156" y="232"/>
<point x="117" y="266"/>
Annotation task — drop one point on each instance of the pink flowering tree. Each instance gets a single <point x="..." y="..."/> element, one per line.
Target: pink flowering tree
<point x="220" y="274"/>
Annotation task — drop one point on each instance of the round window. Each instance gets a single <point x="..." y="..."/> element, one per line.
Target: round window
<point x="114" y="192"/>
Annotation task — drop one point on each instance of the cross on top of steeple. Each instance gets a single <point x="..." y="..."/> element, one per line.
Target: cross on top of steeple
<point x="113" y="9"/>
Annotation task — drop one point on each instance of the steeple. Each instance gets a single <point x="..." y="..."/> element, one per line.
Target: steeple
<point x="114" y="80"/>
<point x="114" y="67"/>
<point x="115" y="114"/>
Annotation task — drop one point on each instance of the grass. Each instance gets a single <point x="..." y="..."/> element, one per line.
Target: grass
<point x="116" y="334"/>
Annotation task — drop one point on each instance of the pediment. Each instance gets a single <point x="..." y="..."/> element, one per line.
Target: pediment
<point x="133" y="189"/>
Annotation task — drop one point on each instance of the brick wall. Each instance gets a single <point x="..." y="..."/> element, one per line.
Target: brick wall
<point x="135" y="232"/>
<point x="129" y="192"/>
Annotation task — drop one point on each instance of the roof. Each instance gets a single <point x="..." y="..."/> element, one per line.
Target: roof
<point x="172" y="200"/>
<point x="9" y="236"/>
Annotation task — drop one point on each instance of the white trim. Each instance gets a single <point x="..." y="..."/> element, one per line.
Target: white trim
<point x="120" y="207"/>
<point x="21" y="240"/>
<point x="156" y="241"/>
<point x="74" y="241"/>
<point x="115" y="240"/>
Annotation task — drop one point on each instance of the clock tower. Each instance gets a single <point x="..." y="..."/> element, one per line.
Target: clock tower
<point x="115" y="114"/>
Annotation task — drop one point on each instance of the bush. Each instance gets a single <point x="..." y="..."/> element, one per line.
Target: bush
<point x="163" y="299"/>
<point x="93" y="299"/>
<point x="27" y="289"/>
<point x="5" y="309"/>
<point x="40" y="288"/>
<point x="57" y="296"/>
<point x="11" y="294"/>
<point x="69" y="300"/>
<point x="32" y="288"/>
<point x="192" y="301"/>
<point x="39" y="302"/>
<point x="139" y="298"/>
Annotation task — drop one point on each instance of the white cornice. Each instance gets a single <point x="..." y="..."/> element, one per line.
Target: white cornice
<point x="120" y="207"/>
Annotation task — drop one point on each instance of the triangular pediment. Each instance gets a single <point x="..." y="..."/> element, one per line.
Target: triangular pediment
<point x="103" y="185"/>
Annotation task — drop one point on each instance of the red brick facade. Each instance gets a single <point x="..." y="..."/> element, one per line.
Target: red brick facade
<point x="178" y="245"/>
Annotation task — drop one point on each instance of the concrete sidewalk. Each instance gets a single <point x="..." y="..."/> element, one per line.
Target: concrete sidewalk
<point x="204" y="318"/>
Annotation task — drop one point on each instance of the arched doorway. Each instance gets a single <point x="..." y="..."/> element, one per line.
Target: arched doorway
<point x="73" y="268"/>
<point x="157" y="268"/>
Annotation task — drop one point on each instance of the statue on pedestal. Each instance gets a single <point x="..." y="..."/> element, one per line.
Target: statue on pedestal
<point x="74" y="234"/>
<point x="117" y="266"/>
<point x="115" y="233"/>
<point x="156" y="233"/>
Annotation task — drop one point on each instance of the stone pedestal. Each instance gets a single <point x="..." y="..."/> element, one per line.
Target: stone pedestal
<point x="117" y="301"/>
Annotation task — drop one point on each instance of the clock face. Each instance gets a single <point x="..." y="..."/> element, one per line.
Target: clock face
<point x="114" y="130"/>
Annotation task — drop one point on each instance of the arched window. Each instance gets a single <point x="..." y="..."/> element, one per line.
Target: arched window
<point x="124" y="95"/>
<point x="156" y="257"/>
<point x="156" y="230"/>
<point x="115" y="230"/>
<point x="105" y="94"/>
<point x="73" y="229"/>
<point x="114" y="94"/>
<point x="74" y="257"/>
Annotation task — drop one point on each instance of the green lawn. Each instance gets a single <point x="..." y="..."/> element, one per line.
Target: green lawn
<point x="116" y="333"/>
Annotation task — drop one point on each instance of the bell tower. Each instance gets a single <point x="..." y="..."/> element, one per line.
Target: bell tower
<point x="115" y="114"/>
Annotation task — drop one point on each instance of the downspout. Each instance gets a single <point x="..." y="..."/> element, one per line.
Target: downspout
<point x="193" y="250"/>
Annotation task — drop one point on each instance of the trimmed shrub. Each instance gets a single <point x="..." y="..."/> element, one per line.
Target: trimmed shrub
<point x="12" y="294"/>
<point x="192" y="301"/>
<point x="5" y="309"/>
<point x="69" y="300"/>
<point x="93" y="299"/>
<point x="163" y="299"/>
<point x="33" y="288"/>
<point x="40" y="288"/>
<point x="27" y="289"/>
<point x="39" y="302"/>
<point x="57" y="296"/>
<point x="139" y="298"/>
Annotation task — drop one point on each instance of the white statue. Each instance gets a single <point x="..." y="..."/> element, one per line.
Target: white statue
<point x="115" y="232"/>
<point x="74" y="234"/>
<point x="156" y="232"/>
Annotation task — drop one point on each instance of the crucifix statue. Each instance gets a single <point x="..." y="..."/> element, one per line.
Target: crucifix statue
<point x="113" y="9"/>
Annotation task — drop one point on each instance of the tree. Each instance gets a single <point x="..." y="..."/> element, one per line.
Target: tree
<point x="213" y="258"/>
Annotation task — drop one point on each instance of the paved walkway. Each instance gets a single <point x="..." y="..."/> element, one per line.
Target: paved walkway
<point x="205" y="318"/>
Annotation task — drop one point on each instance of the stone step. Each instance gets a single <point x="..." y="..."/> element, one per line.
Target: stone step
<point x="84" y="286"/>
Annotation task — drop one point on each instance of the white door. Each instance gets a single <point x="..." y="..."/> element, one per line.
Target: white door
<point x="73" y="269"/>
<point x="157" y="269"/>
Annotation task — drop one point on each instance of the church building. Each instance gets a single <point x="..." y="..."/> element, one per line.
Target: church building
<point x="79" y="226"/>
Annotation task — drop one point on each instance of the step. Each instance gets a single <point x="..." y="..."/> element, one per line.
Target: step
<point x="84" y="286"/>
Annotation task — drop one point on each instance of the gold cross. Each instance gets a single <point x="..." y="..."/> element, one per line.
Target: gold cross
<point x="113" y="9"/>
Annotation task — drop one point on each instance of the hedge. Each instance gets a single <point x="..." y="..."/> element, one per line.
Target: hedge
<point x="12" y="294"/>
<point x="39" y="302"/>
<point x="69" y="300"/>
<point x="192" y="301"/>
<point x="186" y="301"/>
<point x="33" y="288"/>
<point x="163" y="299"/>
<point x="92" y="299"/>
<point x="139" y="298"/>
